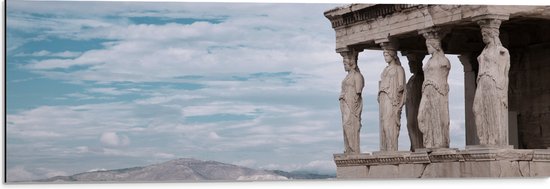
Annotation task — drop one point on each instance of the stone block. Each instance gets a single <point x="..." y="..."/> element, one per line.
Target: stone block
<point x="539" y="168"/>
<point x="502" y="168"/>
<point x="515" y="154"/>
<point x="509" y="168"/>
<point x="524" y="168"/>
<point x="411" y="170"/>
<point x="442" y="170"/>
<point x="352" y="172"/>
<point x="384" y="171"/>
<point x="476" y="169"/>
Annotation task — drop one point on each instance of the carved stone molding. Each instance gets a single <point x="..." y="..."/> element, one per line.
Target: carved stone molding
<point x="445" y="155"/>
<point x="442" y="155"/>
<point x="541" y="155"/>
<point x="372" y="12"/>
<point x="417" y="157"/>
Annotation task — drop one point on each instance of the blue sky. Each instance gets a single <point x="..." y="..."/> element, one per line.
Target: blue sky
<point x="107" y="85"/>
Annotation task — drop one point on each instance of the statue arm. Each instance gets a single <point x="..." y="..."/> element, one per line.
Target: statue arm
<point x="505" y="55"/>
<point x="379" y="91"/>
<point x="402" y="89"/>
<point x="359" y="83"/>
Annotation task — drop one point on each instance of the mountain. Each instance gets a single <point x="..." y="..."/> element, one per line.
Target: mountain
<point x="184" y="169"/>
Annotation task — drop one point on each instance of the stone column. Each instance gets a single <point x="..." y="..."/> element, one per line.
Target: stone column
<point x="351" y="102"/>
<point x="391" y="97"/>
<point x="414" y="93"/>
<point x="468" y="63"/>
<point x="433" y="111"/>
<point x="490" y="106"/>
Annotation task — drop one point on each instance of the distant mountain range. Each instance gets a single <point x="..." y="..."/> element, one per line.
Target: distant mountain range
<point x="184" y="169"/>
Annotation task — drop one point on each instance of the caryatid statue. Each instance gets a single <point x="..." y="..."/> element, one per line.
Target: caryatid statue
<point x="490" y="105"/>
<point x="391" y="97"/>
<point x="414" y="93"/>
<point x="351" y="102"/>
<point x="433" y="113"/>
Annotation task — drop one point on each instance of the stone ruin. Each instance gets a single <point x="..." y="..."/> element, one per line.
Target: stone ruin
<point x="505" y="56"/>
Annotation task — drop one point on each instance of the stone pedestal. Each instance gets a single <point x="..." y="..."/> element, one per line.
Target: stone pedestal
<point x="474" y="161"/>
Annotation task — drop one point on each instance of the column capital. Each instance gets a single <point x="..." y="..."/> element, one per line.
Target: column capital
<point x="387" y="43"/>
<point x="434" y="32"/>
<point x="381" y="40"/>
<point x="348" y="49"/>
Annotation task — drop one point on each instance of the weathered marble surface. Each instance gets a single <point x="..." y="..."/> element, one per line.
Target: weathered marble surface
<point x="433" y="112"/>
<point x="391" y="97"/>
<point x="414" y="93"/>
<point x="351" y="102"/>
<point x="391" y="22"/>
<point x="449" y="163"/>
<point x="490" y="105"/>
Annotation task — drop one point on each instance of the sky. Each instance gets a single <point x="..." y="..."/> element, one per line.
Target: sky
<point x="109" y="85"/>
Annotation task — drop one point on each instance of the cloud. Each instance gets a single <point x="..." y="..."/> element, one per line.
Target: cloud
<point x="213" y="136"/>
<point x="107" y="90"/>
<point x="18" y="173"/>
<point x="21" y="173"/>
<point x="245" y="163"/>
<point x="165" y="155"/>
<point x="113" y="139"/>
<point x="147" y="52"/>
<point x="284" y="121"/>
<point x="316" y="166"/>
<point x="42" y="53"/>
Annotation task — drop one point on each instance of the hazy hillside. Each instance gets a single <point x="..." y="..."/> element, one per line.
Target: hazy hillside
<point x="184" y="170"/>
<point x="174" y="170"/>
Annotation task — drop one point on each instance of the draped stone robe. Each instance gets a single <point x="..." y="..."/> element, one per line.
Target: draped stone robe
<point x="490" y="105"/>
<point x="391" y="97"/>
<point x="433" y="115"/>
<point x="351" y="105"/>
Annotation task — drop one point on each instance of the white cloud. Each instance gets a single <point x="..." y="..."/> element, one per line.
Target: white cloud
<point x="42" y="53"/>
<point x="245" y="163"/>
<point x="284" y="118"/>
<point x="213" y="136"/>
<point x="22" y="173"/>
<point x="161" y="52"/>
<point x="167" y="98"/>
<point x="18" y="173"/>
<point x="113" y="139"/>
<point x="319" y="166"/>
<point x="52" y="173"/>
<point x="214" y="108"/>
<point x="41" y="134"/>
<point x="80" y="96"/>
<point x="107" y="90"/>
<point x="165" y="155"/>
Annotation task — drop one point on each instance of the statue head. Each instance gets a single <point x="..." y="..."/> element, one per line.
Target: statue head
<point x="433" y="40"/>
<point x="391" y="56"/>
<point x="490" y="31"/>
<point x="433" y="46"/>
<point x="350" y="60"/>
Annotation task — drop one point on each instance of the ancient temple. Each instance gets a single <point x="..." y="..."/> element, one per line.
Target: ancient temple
<point x="505" y="56"/>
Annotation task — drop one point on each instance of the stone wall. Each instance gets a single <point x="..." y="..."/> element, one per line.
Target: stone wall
<point x="529" y="92"/>
<point x="445" y="164"/>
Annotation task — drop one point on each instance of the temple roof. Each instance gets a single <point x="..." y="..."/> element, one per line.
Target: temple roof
<point x="365" y="25"/>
